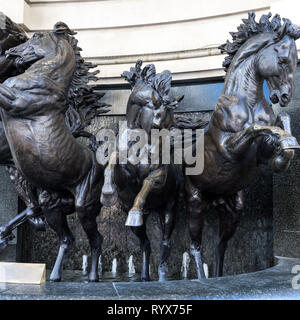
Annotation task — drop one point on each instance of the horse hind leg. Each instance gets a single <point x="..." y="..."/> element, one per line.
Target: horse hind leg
<point x="140" y="232"/>
<point x="56" y="209"/>
<point x="167" y="223"/>
<point x="87" y="217"/>
<point x="195" y="209"/>
<point x="229" y="213"/>
<point x="58" y="222"/>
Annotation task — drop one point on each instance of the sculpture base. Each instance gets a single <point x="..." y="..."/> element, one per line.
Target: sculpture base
<point x="27" y="273"/>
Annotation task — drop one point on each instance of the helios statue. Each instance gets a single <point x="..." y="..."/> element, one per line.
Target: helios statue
<point x="243" y="131"/>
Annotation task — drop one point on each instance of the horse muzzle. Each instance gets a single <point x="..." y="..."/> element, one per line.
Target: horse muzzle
<point x="282" y="98"/>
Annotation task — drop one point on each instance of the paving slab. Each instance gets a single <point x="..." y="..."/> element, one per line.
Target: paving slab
<point x="270" y="284"/>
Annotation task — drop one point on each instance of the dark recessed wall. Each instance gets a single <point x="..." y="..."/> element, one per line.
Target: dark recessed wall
<point x="286" y="185"/>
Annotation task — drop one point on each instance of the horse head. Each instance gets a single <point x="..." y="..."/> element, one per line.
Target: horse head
<point x="36" y="48"/>
<point x="39" y="46"/>
<point x="163" y="104"/>
<point x="273" y="45"/>
<point x="277" y="65"/>
<point x="149" y="105"/>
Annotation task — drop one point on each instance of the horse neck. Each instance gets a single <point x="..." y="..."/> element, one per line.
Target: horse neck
<point x="57" y="66"/>
<point x="244" y="81"/>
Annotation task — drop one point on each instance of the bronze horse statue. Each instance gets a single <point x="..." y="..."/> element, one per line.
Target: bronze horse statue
<point x="33" y="107"/>
<point x="243" y="131"/>
<point x="12" y="35"/>
<point x="146" y="187"/>
<point x="78" y="116"/>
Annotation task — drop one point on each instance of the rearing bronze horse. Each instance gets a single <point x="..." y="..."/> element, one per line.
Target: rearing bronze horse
<point x="242" y="132"/>
<point x="144" y="187"/>
<point x="12" y="35"/>
<point x="43" y="148"/>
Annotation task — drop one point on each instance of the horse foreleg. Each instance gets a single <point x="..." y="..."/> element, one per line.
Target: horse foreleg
<point x="109" y="194"/>
<point x="239" y="142"/>
<point x="229" y="212"/>
<point x="135" y="215"/>
<point x="27" y="194"/>
<point x="167" y="222"/>
<point x="195" y="209"/>
<point x="6" y="230"/>
<point x="283" y="121"/>
<point x="282" y="160"/>
<point x="140" y="232"/>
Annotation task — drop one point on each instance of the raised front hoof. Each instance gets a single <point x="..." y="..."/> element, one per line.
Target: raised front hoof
<point x="38" y="224"/>
<point x="163" y="273"/>
<point x="93" y="277"/>
<point x="109" y="199"/>
<point x="3" y="244"/>
<point x="134" y="219"/>
<point x="5" y="238"/>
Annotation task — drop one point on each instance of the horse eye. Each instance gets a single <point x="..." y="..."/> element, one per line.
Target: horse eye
<point x="282" y="60"/>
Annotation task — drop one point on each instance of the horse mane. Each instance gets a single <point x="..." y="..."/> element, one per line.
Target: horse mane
<point x="250" y="28"/>
<point x="11" y="34"/>
<point x="160" y="82"/>
<point x="83" y="99"/>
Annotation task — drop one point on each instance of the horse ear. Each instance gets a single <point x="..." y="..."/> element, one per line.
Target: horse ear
<point x="155" y="99"/>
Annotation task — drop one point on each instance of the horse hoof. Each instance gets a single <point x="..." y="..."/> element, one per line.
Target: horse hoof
<point x="109" y="199"/>
<point x="38" y="224"/>
<point x="163" y="273"/>
<point x="93" y="278"/>
<point x="134" y="219"/>
<point x="55" y="279"/>
<point x="162" y="278"/>
<point x="145" y="279"/>
<point x="3" y="244"/>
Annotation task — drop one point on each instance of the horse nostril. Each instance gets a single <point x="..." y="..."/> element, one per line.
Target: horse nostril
<point x="274" y="98"/>
<point x="284" y="98"/>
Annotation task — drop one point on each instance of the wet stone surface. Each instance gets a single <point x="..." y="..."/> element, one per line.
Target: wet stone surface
<point x="273" y="283"/>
